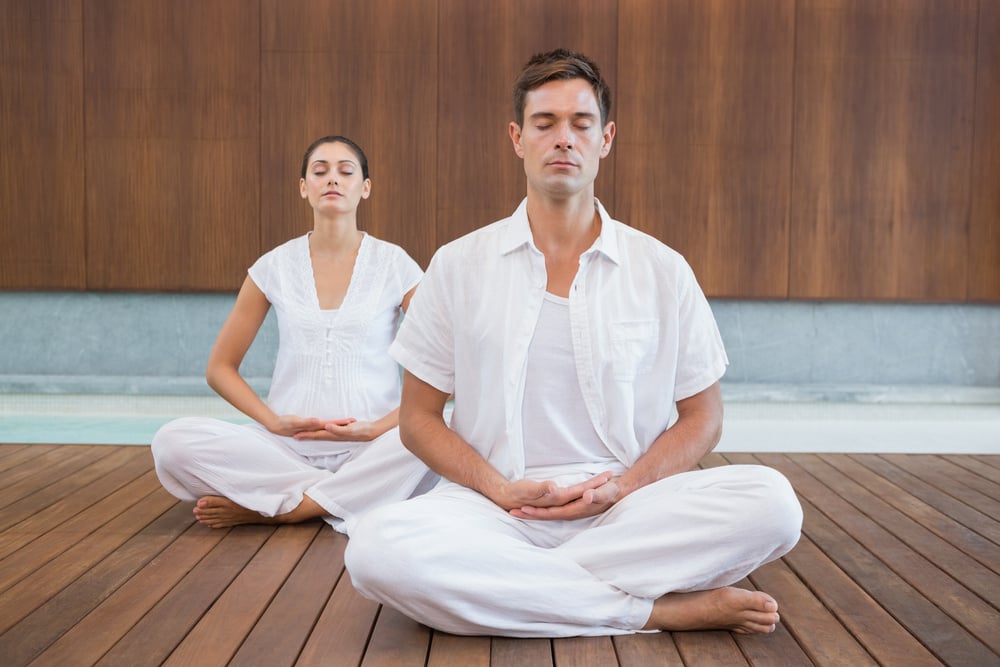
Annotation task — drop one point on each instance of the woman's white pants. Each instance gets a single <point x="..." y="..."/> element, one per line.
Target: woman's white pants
<point x="455" y="561"/>
<point x="256" y="469"/>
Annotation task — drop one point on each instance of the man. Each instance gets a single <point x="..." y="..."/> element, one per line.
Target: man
<point x="570" y="506"/>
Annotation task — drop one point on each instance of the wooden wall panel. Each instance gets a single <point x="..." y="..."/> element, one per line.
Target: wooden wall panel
<point x="41" y="145"/>
<point x="367" y="71"/>
<point x="172" y="109"/>
<point x="484" y="44"/>
<point x="704" y="136"/>
<point x="984" y="228"/>
<point x="883" y="134"/>
<point x="817" y="149"/>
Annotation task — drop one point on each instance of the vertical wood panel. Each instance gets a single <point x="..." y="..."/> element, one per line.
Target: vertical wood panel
<point x="704" y="136"/>
<point x="483" y="45"/>
<point x="172" y="143"/>
<point x="883" y="131"/>
<point x="364" y="70"/>
<point x="984" y="228"/>
<point x="41" y="145"/>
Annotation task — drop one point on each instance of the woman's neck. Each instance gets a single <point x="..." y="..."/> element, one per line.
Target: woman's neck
<point x="335" y="235"/>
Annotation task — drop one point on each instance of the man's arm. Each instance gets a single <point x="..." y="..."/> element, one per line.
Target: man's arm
<point x="678" y="449"/>
<point x="424" y="432"/>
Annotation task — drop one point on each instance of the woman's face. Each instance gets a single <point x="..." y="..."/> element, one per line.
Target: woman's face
<point x="334" y="183"/>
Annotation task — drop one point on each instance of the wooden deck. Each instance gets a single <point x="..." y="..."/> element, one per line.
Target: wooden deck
<point x="899" y="565"/>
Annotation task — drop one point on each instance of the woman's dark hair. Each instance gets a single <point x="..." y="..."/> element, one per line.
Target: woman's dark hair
<point x="555" y="65"/>
<point x="335" y="139"/>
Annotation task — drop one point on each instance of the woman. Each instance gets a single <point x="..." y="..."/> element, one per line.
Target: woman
<point x="326" y="443"/>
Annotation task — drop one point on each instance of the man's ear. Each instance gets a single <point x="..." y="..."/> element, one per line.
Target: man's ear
<point x="515" y="137"/>
<point x="609" y="138"/>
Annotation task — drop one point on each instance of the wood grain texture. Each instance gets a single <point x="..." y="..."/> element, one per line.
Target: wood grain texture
<point x="704" y="136"/>
<point x="172" y="105"/>
<point x="483" y="46"/>
<point x="367" y="71"/>
<point x="883" y="137"/>
<point x="802" y="149"/>
<point x="42" y="227"/>
<point x="984" y="223"/>
<point x="128" y="585"/>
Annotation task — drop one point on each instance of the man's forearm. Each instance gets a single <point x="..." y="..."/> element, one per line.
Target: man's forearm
<point x="448" y="454"/>
<point x="679" y="449"/>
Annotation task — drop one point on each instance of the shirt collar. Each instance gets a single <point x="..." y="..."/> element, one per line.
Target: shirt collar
<point x="518" y="233"/>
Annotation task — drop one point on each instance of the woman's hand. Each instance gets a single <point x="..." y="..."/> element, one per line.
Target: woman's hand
<point x="291" y="425"/>
<point x="342" y="430"/>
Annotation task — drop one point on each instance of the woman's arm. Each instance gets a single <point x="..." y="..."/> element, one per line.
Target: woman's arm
<point x="231" y="345"/>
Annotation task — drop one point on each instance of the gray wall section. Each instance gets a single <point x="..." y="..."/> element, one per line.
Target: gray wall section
<point x="159" y="343"/>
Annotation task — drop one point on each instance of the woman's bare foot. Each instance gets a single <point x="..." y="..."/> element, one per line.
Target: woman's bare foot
<point x="221" y="512"/>
<point x="730" y="608"/>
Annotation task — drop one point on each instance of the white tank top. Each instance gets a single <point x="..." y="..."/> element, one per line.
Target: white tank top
<point x="557" y="428"/>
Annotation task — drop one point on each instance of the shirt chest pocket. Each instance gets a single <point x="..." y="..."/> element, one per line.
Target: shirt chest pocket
<point x="633" y="348"/>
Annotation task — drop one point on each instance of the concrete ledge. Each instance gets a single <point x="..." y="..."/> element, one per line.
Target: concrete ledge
<point x="126" y="385"/>
<point x="764" y="418"/>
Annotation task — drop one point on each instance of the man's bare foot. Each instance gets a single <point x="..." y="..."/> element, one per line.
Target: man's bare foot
<point x="730" y="608"/>
<point x="220" y="512"/>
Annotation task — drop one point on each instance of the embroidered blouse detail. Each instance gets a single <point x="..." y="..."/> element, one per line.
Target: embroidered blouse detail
<point x="333" y="364"/>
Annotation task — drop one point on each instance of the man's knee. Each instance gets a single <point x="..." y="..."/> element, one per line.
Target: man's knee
<point x="373" y="557"/>
<point x="782" y="512"/>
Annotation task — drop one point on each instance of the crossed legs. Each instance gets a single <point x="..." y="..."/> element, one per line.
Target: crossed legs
<point x="663" y="558"/>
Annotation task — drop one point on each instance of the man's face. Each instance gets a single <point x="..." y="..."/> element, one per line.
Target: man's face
<point x="562" y="141"/>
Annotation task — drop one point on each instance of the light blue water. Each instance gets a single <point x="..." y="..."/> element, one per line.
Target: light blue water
<point x="79" y="430"/>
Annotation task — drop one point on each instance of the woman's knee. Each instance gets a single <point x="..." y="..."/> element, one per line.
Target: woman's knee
<point x="172" y="443"/>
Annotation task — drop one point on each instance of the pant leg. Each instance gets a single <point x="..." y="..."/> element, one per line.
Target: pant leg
<point x="198" y="457"/>
<point x="377" y="473"/>
<point x="455" y="561"/>
<point x="695" y="531"/>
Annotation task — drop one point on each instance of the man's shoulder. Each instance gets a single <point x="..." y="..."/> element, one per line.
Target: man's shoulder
<point x="639" y="245"/>
<point x="474" y="246"/>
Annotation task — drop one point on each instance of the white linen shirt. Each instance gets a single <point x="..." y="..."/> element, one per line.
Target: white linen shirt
<point x="332" y="364"/>
<point x="643" y="335"/>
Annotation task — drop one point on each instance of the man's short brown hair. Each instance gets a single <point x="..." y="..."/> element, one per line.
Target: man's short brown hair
<point x="557" y="65"/>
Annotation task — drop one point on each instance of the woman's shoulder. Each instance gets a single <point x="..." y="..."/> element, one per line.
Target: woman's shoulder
<point x="288" y="247"/>
<point x="388" y="251"/>
<point x="279" y="260"/>
<point x="381" y="245"/>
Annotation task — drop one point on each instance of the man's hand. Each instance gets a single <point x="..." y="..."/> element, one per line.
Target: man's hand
<point x="588" y="498"/>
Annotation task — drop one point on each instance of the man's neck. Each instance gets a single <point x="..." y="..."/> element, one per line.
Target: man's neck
<point x="563" y="227"/>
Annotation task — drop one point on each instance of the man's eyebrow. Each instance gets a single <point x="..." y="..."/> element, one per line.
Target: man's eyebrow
<point x="549" y="114"/>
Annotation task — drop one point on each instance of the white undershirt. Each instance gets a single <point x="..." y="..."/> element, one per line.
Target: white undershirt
<point x="557" y="429"/>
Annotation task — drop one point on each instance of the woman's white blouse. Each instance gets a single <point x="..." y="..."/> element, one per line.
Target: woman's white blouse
<point x="334" y="364"/>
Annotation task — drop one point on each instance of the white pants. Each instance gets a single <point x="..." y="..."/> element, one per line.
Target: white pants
<point x="455" y="561"/>
<point x="254" y="468"/>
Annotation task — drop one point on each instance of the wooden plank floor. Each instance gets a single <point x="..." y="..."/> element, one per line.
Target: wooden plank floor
<point x="899" y="564"/>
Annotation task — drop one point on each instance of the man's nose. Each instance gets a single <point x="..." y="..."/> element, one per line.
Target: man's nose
<point x="564" y="138"/>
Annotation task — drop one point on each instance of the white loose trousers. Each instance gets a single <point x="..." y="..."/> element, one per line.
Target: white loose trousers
<point x="455" y="561"/>
<point x="256" y="469"/>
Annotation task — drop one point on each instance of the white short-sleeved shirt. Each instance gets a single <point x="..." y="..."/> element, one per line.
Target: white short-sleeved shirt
<point x="643" y="335"/>
<point x="333" y="364"/>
